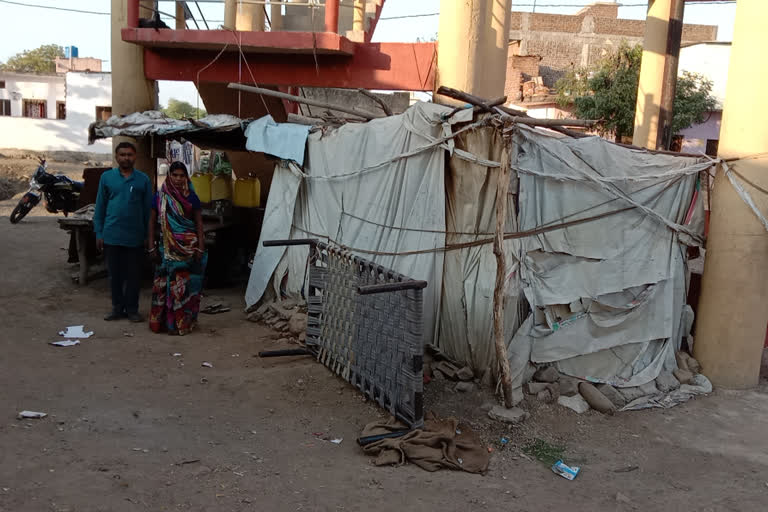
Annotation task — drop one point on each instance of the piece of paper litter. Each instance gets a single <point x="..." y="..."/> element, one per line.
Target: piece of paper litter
<point x="565" y="471"/>
<point x="32" y="415"/>
<point x="75" y="331"/>
<point x="65" y="343"/>
<point x="207" y="364"/>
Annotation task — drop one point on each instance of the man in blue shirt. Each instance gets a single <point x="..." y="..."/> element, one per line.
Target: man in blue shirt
<point x="120" y="222"/>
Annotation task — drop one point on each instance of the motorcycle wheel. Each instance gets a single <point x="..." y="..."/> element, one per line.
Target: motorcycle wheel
<point x="21" y="210"/>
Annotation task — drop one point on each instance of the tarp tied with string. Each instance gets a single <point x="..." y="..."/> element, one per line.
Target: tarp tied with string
<point x="595" y="237"/>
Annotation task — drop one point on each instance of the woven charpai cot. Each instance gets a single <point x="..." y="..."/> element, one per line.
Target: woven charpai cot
<point x="374" y="341"/>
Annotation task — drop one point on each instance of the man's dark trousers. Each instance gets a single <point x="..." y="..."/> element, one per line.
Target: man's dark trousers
<point x="124" y="265"/>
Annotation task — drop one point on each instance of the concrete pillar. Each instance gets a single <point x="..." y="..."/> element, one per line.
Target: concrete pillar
<point x="276" y="16"/>
<point x="733" y="310"/>
<point x="472" y="43"/>
<point x="658" y="74"/>
<point x="230" y="14"/>
<point x="131" y="92"/>
<point x="250" y="17"/>
<point x="358" y="16"/>
<point x="181" y="22"/>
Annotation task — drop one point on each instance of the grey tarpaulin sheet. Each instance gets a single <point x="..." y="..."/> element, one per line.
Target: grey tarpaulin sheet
<point x="606" y="295"/>
<point x="469" y="275"/>
<point x="153" y="122"/>
<point x="356" y="193"/>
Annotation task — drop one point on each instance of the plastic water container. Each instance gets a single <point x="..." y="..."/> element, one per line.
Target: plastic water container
<point x="221" y="187"/>
<point x="248" y="193"/>
<point x="202" y="184"/>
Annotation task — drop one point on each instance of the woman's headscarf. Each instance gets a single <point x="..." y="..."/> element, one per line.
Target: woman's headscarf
<point x="178" y="229"/>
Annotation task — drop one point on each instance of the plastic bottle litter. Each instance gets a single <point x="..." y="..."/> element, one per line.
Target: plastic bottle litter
<point x="565" y="471"/>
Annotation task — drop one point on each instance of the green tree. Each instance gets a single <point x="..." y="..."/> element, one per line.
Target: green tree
<point x="179" y="109"/>
<point x="607" y="92"/>
<point x="39" y="60"/>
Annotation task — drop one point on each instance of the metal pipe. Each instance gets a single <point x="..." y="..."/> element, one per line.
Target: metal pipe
<point x="297" y="241"/>
<point x="286" y="352"/>
<point x="391" y="287"/>
<point x="332" y="16"/>
<point x="201" y="16"/>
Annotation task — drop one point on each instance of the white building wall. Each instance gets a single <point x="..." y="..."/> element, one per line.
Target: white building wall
<point x="20" y="87"/>
<point x="710" y="60"/>
<point x="82" y="92"/>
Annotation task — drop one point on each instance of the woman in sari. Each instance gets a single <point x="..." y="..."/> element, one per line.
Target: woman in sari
<point x="180" y="254"/>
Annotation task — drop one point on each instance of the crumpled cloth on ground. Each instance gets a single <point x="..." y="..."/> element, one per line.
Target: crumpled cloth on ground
<point x="442" y="443"/>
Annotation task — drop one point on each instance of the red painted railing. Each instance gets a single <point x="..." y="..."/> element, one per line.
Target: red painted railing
<point x="331" y="15"/>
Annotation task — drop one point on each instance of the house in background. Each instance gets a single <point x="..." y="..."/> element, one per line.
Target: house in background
<point x="561" y="42"/>
<point x="711" y="60"/>
<point x="53" y="112"/>
<point x="543" y="47"/>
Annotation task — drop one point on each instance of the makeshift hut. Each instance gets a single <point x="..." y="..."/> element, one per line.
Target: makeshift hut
<point x="595" y="235"/>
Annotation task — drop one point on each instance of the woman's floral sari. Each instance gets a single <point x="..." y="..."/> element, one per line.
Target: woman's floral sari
<point x="179" y="277"/>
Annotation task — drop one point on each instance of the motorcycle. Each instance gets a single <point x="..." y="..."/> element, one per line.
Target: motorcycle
<point x="61" y="194"/>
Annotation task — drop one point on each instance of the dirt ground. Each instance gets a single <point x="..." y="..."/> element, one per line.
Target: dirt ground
<point x="17" y="166"/>
<point x="131" y="427"/>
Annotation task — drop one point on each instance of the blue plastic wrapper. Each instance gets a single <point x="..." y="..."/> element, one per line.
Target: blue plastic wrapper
<point x="565" y="471"/>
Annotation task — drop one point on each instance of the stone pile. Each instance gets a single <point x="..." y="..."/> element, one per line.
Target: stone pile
<point x="548" y="385"/>
<point x="288" y="317"/>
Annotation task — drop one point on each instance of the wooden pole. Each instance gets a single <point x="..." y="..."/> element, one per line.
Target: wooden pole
<point x="510" y="115"/>
<point x="672" y="57"/>
<point x="502" y="187"/>
<point x="486" y="107"/>
<point x="269" y="92"/>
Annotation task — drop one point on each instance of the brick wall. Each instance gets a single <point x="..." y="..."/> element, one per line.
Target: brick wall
<point x="555" y="23"/>
<point x="600" y="10"/>
<point x="634" y="28"/>
<point x="519" y="69"/>
<point x="557" y="57"/>
<point x="693" y="33"/>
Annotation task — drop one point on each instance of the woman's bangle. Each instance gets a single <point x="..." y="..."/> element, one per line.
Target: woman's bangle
<point x="197" y="249"/>
<point x="150" y="251"/>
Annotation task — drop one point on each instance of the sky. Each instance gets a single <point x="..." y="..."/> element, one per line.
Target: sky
<point x="91" y="32"/>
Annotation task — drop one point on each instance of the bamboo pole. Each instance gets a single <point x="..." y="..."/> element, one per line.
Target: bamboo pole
<point x="307" y="101"/>
<point x="502" y="187"/>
